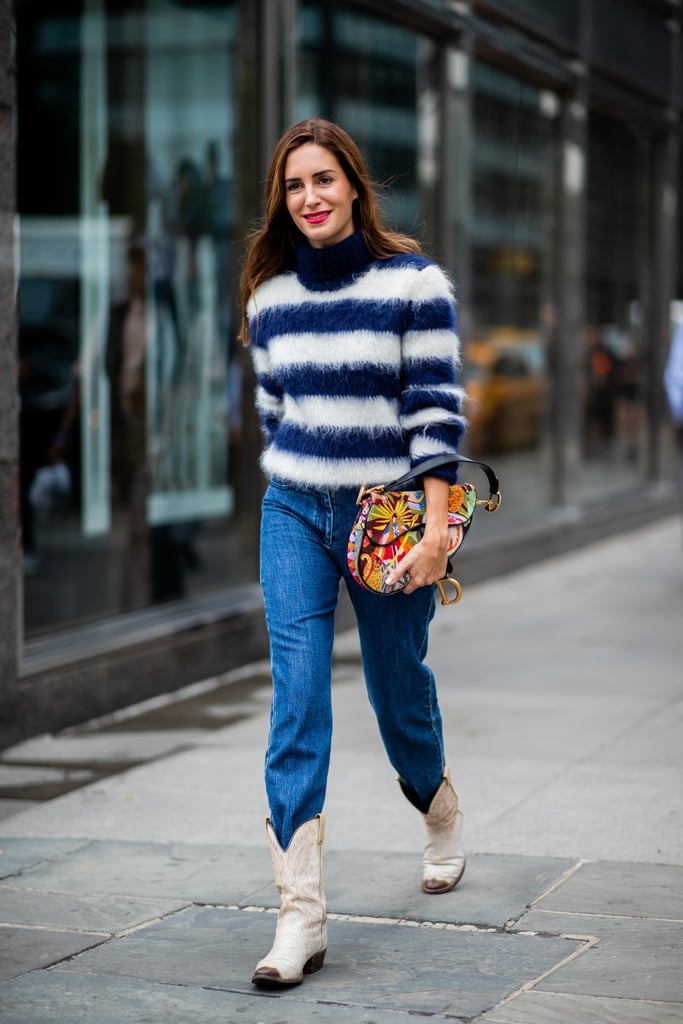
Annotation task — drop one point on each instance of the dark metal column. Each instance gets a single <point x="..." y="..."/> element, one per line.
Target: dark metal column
<point x="456" y="174"/>
<point x="566" y="348"/>
<point x="277" y="38"/>
<point x="11" y="606"/>
<point x="662" y="290"/>
<point x="665" y="252"/>
<point x="266" y="99"/>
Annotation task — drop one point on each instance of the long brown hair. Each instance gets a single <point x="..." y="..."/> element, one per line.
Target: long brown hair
<point x="272" y="248"/>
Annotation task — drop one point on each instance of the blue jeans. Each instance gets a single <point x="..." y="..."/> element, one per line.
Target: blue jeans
<point x="304" y="535"/>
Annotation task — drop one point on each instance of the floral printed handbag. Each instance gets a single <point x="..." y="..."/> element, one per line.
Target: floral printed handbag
<point x="391" y="521"/>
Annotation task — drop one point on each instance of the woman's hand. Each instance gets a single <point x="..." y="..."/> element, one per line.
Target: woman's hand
<point x="426" y="562"/>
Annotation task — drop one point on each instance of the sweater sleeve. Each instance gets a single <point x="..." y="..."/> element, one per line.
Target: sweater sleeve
<point x="432" y="396"/>
<point x="269" y="398"/>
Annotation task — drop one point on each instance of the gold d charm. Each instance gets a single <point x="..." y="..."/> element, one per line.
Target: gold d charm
<point x="442" y="590"/>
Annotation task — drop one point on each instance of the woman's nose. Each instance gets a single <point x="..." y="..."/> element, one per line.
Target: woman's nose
<point x="311" y="195"/>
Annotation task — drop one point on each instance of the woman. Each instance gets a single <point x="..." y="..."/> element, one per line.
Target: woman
<point x="355" y="349"/>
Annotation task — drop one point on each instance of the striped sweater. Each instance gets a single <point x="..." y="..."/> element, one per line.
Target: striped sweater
<point x="356" y="365"/>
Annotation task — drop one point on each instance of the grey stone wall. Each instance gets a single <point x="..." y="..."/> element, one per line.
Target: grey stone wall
<point x="9" y="491"/>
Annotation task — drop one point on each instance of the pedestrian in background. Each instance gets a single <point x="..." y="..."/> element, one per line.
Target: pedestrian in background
<point x="673" y="385"/>
<point x="355" y="349"/>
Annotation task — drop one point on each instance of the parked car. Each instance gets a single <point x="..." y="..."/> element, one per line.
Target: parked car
<point x="504" y="377"/>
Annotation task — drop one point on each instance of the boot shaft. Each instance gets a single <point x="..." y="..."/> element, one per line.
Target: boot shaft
<point x="298" y="870"/>
<point x="301" y="933"/>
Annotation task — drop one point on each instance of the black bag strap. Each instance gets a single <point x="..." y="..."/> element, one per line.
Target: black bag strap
<point x="413" y="476"/>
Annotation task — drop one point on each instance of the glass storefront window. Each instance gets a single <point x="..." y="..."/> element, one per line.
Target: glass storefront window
<point x="131" y="425"/>
<point x="128" y="382"/>
<point x="377" y="80"/>
<point x="559" y="18"/>
<point x="635" y="41"/>
<point x="512" y="228"/>
<point x="617" y="261"/>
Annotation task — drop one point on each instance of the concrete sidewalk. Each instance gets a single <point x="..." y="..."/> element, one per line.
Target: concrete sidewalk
<point x="146" y="895"/>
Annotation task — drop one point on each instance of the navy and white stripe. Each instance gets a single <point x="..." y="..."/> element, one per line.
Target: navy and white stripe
<point x="357" y="367"/>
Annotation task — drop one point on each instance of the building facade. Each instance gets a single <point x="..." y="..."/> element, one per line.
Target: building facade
<point x="532" y="147"/>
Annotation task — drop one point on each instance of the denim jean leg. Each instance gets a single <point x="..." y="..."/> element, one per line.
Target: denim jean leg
<point x="393" y="633"/>
<point x="300" y="586"/>
<point x="401" y="687"/>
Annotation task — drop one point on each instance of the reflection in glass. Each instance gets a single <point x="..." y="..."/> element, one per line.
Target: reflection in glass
<point x="128" y="368"/>
<point x="513" y="187"/>
<point x="377" y="80"/>
<point x="617" y="246"/>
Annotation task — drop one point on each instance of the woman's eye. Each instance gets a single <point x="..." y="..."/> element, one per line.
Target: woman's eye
<point x="325" y="180"/>
<point x="292" y="186"/>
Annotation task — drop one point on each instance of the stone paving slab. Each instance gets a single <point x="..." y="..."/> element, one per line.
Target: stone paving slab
<point x="542" y="724"/>
<point x="19" y="854"/>
<point x="30" y="949"/>
<point x="425" y="970"/>
<point x="58" y="997"/>
<point x="177" y="871"/>
<point x="527" y="791"/>
<point x="494" y="888"/>
<point x="627" y="890"/>
<point x="634" y="959"/>
<point x="104" y="914"/>
<point x="609" y="812"/>
<point x="204" y="795"/>
<point x="656" y="740"/>
<point x="555" y="1008"/>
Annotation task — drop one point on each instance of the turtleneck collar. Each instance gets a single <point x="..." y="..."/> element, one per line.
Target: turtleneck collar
<point x="331" y="267"/>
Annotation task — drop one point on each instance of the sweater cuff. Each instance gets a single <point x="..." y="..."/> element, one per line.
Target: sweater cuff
<point x="447" y="472"/>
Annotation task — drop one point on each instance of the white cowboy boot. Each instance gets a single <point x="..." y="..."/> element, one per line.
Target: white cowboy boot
<point x="444" y="857"/>
<point x="301" y="934"/>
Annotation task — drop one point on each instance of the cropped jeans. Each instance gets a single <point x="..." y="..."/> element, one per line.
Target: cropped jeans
<point x="304" y="536"/>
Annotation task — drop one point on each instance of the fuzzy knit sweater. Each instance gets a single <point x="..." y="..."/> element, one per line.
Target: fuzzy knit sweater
<point x="356" y="363"/>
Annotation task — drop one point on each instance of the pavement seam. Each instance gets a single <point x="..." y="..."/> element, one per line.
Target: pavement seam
<point x="407" y="922"/>
<point x="588" y="941"/>
<point x="364" y="919"/>
<point x="119" y="934"/>
<point x="20" y="872"/>
<point x="98" y="894"/>
<point x="560" y="880"/>
<point x="610" y="917"/>
<point x="54" y="928"/>
<point x="564" y="877"/>
<point x="142" y="925"/>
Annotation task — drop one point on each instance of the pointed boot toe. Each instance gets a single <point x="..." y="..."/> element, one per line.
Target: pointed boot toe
<point x="434" y="886"/>
<point x="266" y="976"/>
<point x="270" y="977"/>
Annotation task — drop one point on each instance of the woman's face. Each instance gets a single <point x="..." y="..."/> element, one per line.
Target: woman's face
<point x="319" y="196"/>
